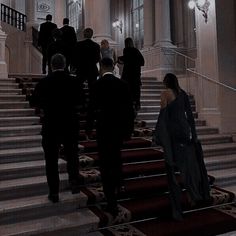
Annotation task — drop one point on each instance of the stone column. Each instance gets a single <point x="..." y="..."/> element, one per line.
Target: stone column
<point x="177" y="23"/>
<point x="60" y="12"/>
<point x="148" y="6"/>
<point x="97" y="16"/>
<point x="3" y="65"/>
<point x="30" y="11"/>
<point x="162" y="23"/>
<point x="31" y="22"/>
<point x="216" y="50"/>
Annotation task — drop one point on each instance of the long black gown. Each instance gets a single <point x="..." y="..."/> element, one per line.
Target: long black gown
<point x="175" y="131"/>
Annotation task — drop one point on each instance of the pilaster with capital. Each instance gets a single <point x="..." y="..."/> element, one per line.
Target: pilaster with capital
<point x="148" y="23"/>
<point x="162" y="23"/>
<point x="97" y="16"/>
<point x="3" y="65"/>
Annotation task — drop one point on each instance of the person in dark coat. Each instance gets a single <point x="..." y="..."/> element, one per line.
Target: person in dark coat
<point x="69" y="39"/>
<point x="85" y="60"/>
<point x="58" y="97"/>
<point x="45" y="38"/>
<point x="133" y="61"/>
<point x="56" y="46"/>
<point x="176" y="132"/>
<point x="114" y="115"/>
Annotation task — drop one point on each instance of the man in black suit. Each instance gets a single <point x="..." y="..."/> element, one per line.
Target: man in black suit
<point x="56" y="46"/>
<point x="45" y="38"/>
<point x="69" y="39"/>
<point x="114" y="115"/>
<point x="85" y="59"/>
<point x="58" y="96"/>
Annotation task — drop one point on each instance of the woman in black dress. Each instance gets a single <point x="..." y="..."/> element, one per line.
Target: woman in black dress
<point x="176" y="132"/>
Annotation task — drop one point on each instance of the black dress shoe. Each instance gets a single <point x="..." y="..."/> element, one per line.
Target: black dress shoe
<point x="74" y="188"/>
<point x="54" y="198"/>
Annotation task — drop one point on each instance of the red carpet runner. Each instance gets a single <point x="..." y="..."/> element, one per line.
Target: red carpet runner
<point x="146" y="197"/>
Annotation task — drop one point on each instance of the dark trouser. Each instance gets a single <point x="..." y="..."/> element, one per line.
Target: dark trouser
<point x="110" y="167"/>
<point x="90" y="110"/>
<point x="134" y="83"/>
<point x="44" y="60"/>
<point x="136" y="96"/>
<point x="51" y="146"/>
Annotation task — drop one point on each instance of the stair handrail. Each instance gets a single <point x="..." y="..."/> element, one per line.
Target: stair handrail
<point x="13" y="17"/>
<point x="197" y="73"/>
<point x="179" y="53"/>
<point x="211" y="80"/>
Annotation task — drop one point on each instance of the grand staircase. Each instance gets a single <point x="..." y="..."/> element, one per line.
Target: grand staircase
<point x="144" y="208"/>
<point x="219" y="149"/>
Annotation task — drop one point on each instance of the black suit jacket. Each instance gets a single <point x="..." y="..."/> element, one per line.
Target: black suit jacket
<point x="86" y="56"/>
<point x="68" y="35"/>
<point x="45" y="33"/>
<point x="113" y="106"/>
<point x="133" y="60"/>
<point x="58" y="95"/>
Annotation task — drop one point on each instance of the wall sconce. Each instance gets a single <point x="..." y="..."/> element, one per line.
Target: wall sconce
<point x="118" y="24"/>
<point x="202" y="5"/>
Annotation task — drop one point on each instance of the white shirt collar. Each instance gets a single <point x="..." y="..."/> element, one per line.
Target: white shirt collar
<point x="107" y="73"/>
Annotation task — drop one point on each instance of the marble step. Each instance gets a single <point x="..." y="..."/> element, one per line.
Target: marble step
<point x="26" y="187"/>
<point x="12" y="98"/>
<point x="224" y="177"/>
<point x="23" y="209"/>
<point x="156" y="102"/>
<point x="157" y="107"/>
<point x="9" y="80"/>
<point x="143" y="78"/>
<point x="21" y="155"/>
<point x="201" y="131"/>
<point x="149" y="109"/>
<point x="6" y="84"/>
<point x="26" y="76"/>
<point x="231" y="188"/>
<point x="150" y="102"/>
<point x="215" y="138"/>
<point x="150" y="91"/>
<point x="16" y="170"/>
<point x="14" y="105"/>
<point x="150" y="96"/>
<point x="10" y="91"/>
<point x="20" y="130"/>
<point x="17" y="112"/>
<point x="152" y="82"/>
<point x="219" y="149"/>
<point x="78" y="223"/>
<point x="18" y="121"/>
<point x="147" y="116"/>
<point x="220" y="162"/>
<point x="152" y="85"/>
<point x="153" y="116"/>
<point x="20" y="142"/>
